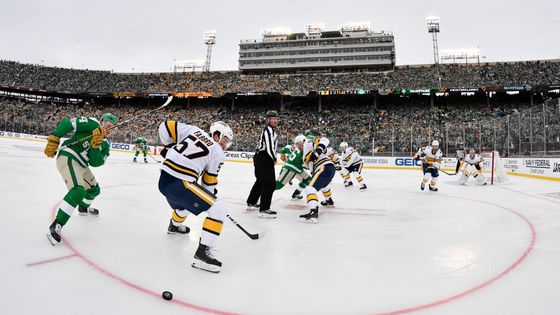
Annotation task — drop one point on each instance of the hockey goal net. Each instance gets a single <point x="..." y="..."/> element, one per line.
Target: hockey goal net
<point x="494" y="168"/>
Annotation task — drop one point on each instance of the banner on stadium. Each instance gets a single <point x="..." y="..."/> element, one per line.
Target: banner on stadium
<point x="463" y="90"/>
<point x="159" y="94"/>
<point x="97" y="94"/>
<point x="344" y="92"/>
<point x="192" y="94"/>
<point x="405" y="91"/>
<point x="124" y="94"/>
<point x="525" y="87"/>
<point x="256" y="94"/>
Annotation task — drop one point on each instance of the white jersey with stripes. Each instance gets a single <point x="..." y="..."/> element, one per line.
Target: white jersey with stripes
<point x="192" y="153"/>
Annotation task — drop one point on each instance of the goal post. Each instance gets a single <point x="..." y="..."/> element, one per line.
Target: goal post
<point x="494" y="167"/>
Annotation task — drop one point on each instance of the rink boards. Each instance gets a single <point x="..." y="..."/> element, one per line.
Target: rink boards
<point x="539" y="168"/>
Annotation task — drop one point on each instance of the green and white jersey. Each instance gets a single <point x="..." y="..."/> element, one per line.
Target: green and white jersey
<point x="287" y="150"/>
<point x="141" y="143"/>
<point x="294" y="161"/>
<point x="82" y="152"/>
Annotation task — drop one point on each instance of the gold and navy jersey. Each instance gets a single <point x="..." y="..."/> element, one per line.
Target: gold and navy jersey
<point x="192" y="153"/>
<point x="428" y="156"/>
<point x="473" y="160"/>
<point x="309" y="151"/>
<point x="350" y="157"/>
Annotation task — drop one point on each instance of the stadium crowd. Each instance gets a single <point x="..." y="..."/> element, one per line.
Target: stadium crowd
<point x="219" y="83"/>
<point x="397" y="129"/>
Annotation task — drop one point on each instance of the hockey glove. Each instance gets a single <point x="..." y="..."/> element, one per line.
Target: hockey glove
<point x="313" y="157"/>
<point x="52" y="145"/>
<point x="97" y="138"/>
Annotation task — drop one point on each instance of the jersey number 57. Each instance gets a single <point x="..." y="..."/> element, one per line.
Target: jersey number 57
<point x="196" y="149"/>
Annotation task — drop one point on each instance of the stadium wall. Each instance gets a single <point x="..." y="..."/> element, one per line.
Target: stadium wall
<point x="538" y="168"/>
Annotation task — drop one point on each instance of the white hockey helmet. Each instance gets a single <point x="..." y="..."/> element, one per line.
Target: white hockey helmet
<point x="344" y="145"/>
<point x="223" y="129"/>
<point x="435" y="143"/>
<point x="300" y="138"/>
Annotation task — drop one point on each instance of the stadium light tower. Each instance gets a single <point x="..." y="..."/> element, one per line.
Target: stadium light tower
<point x="433" y="28"/>
<point x="209" y="41"/>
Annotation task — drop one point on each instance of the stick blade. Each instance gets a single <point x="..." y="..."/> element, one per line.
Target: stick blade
<point x="257" y="236"/>
<point x="169" y="99"/>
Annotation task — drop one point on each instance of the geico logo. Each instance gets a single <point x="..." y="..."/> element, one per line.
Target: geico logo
<point x="406" y="162"/>
<point x="120" y="146"/>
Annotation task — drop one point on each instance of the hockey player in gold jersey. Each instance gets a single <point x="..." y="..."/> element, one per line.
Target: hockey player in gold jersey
<point x="192" y="154"/>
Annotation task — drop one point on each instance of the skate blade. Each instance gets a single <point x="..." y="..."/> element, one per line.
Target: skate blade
<point x="83" y="214"/>
<point x="205" y="267"/>
<point x="312" y="221"/>
<point x="51" y="239"/>
<point x="267" y="216"/>
<point x="251" y="209"/>
<point x="177" y="233"/>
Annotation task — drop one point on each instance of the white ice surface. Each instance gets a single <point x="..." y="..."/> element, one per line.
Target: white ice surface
<point x="388" y="249"/>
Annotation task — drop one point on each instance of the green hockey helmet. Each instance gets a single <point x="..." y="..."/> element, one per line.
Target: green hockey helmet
<point x="110" y="118"/>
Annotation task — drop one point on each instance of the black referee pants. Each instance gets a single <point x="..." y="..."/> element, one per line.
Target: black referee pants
<point x="263" y="187"/>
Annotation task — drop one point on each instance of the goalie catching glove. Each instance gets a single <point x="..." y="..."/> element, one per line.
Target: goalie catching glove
<point x="52" y="146"/>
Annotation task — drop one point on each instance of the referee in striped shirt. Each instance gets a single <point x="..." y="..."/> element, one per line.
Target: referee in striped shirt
<point x="264" y="161"/>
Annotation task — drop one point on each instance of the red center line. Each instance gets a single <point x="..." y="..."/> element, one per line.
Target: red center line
<point x="41" y="262"/>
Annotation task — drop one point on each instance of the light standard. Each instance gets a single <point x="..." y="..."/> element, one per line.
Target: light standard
<point x="433" y="28"/>
<point x="209" y="41"/>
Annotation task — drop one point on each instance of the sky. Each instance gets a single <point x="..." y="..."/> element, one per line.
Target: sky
<point x="146" y="36"/>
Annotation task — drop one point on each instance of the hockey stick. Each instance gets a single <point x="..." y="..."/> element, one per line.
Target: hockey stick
<point x="450" y="174"/>
<point x="251" y="236"/>
<point x="153" y="158"/>
<point x="169" y="99"/>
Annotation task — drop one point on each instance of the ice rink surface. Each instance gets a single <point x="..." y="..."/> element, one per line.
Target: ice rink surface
<point x="462" y="250"/>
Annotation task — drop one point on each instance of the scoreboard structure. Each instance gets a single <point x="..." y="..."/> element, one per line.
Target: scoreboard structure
<point x="351" y="48"/>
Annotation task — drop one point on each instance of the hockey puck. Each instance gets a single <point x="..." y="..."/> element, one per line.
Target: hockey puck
<point x="166" y="295"/>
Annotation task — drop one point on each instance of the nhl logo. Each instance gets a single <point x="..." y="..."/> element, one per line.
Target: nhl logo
<point x="195" y="204"/>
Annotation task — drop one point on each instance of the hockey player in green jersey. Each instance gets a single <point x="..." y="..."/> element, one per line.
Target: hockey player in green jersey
<point x="87" y="147"/>
<point x="293" y="167"/>
<point x="141" y="145"/>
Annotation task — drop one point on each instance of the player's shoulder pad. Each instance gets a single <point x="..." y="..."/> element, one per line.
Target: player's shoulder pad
<point x="218" y="153"/>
